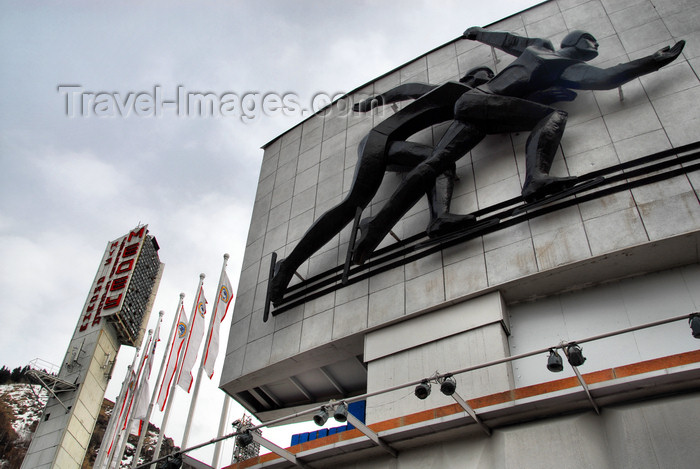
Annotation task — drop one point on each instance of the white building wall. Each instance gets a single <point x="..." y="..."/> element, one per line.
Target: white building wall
<point x="602" y="309"/>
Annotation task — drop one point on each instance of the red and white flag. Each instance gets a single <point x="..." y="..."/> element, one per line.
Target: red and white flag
<point x="123" y="414"/>
<point x="181" y="330"/>
<point x="194" y="340"/>
<point x="140" y="409"/>
<point x="211" y="347"/>
<point x="142" y="397"/>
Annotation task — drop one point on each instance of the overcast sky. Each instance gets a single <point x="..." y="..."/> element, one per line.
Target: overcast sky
<point x="68" y="185"/>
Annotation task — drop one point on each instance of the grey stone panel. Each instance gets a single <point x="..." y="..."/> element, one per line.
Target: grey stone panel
<point x="243" y="304"/>
<point x="680" y="115"/>
<point x="293" y="316"/>
<point x="645" y="35"/>
<point x="615" y="230"/>
<point x="270" y="161"/>
<point x="465" y="277"/>
<point x="612" y="6"/>
<point x="336" y="120"/>
<point x="257" y="354"/>
<point x="386" y="305"/>
<point x="425" y="291"/>
<point x="633" y="16"/>
<point x="317" y="330"/>
<point x="285" y="342"/>
<point x="551" y="27"/>
<point x="350" y="317"/>
<point x="386" y="83"/>
<point x="419" y="65"/>
<point x="442" y="72"/>
<point x="238" y="337"/>
<point x="309" y="158"/>
<point x="542" y="12"/>
<point x="590" y="16"/>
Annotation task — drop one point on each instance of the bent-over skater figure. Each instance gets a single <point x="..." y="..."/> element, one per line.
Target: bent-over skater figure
<point x="502" y="105"/>
<point x="385" y="149"/>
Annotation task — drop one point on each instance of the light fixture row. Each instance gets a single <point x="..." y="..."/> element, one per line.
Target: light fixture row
<point x="448" y="385"/>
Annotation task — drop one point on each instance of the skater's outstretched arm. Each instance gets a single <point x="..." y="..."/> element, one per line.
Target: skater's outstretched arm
<point x="551" y="95"/>
<point x="587" y="77"/>
<point x="399" y="93"/>
<point x="507" y="42"/>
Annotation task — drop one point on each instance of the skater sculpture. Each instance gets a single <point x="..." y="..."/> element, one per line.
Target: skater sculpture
<point x="514" y="100"/>
<point x="385" y="149"/>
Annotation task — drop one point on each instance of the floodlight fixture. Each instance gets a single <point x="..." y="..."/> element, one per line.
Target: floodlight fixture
<point x="554" y="362"/>
<point x="321" y="417"/>
<point x="695" y="325"/>
<point x="174" y="461"/>
<point x="575" y="355"/>
<point x="244" y="439"/>
<point x="423" y="389"/>
<point x="448" y="385"/>
<point x="340" y="414"/>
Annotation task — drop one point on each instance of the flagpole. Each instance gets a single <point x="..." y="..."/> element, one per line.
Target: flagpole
<point x="134" y="396"/>
<point x="171" y="396"/>
<point x="142" y="436"/>
<point x="193" y="402"/>
<point x="222" y="428"/>
<point x="113" y="419"/>
<point x="111" y="424"/>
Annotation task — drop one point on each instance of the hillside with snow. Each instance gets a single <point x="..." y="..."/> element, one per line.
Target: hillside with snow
<point x="21" y="406"/>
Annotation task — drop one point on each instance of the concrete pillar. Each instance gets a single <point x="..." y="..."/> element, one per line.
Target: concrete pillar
<point x="454" y="337"/>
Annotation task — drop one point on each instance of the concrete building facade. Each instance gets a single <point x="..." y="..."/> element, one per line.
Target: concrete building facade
<point x="600" y="264"/>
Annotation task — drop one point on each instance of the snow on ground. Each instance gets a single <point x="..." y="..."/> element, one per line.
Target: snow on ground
<point x="27" y="402"/>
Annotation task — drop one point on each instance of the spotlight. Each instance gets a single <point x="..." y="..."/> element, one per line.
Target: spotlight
<point x="554" y="362"/>
<point x="244" y="439"/>
<point x="173" y="462"/>
<point x="695" y="325"/>
<point x="448" y="386"/>
<point x="341" y="413"/>
<point x="423" y="389"/>
<point x="321" y="417"/>
<point x="575" y="355"/>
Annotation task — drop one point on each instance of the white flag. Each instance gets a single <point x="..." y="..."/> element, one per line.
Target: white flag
<point x="140" y="408"/>
<point x="123" y="411"/>
<point x="211" y="347"/>
<point x="143" y="395"/>
<point x="182" y="328"/>
<point x="194" y="340"/>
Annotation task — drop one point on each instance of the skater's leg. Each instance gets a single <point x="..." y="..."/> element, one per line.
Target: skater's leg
<point x="541" y="147"/>
<point x="496" y="114"/>
<point x="458" y="140"/>
<point x="369" y="173"/>
<point x="403" y="157"/>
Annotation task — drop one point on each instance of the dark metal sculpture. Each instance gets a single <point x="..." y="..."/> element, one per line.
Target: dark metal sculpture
<point x="503" y="105"/>
<point x="515" y="100"/>
<point x="385" y="149"/>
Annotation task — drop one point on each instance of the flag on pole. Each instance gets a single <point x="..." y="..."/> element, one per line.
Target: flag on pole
<point x="140" y="408"/>
<point x="211" y="347"/>
<point x="123" y="411"/>
<point x="143" y="395"/>
<point x="172" y="358"/>
<point x="194" y="340"/>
